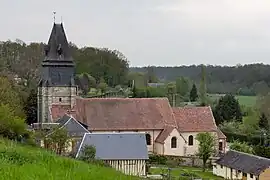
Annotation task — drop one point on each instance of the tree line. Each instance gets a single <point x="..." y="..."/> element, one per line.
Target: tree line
<point x="250" y="79"/>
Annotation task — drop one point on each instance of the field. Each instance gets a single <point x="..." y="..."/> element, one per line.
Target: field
<point x="28" y="163"/>
<point x="248" y="101"/>
<point x="181" y="171"/>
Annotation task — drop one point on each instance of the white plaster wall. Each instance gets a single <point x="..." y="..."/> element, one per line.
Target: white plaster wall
<point x="179" y="150"/>
<point x="229" y="173"/>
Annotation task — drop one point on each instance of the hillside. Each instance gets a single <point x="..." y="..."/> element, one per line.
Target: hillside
<point x="24" y="163"/>
<point x="251" y="78"/>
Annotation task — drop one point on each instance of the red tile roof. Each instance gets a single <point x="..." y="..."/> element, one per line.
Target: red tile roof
<point x="125" y="113"/>
<point x="164" y="134"/>
<point x="195" y="119"/>
<point x="58" y="111"/>
<point x="220" y="134"/>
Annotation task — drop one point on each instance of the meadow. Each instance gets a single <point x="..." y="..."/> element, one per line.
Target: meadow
<point x="248" y="101"/>
<point x="21" y="162"/>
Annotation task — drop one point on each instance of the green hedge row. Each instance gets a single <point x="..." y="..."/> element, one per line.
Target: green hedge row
<point x="253" y="140"/>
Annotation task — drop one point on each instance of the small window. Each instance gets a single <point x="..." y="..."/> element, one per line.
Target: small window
<point x="251" y="175"/>
<point x="60" y="99"/>
<point x="190" y="140"/>
<point x="148" y="139"/>
<point x="221" y="166"/>
<point x="245" y="174"/>
<point x="239" y="171"/>
<point x="220" y="146"/>
<point x="173" y="142"/>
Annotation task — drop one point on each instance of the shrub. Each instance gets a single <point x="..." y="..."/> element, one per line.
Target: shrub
<point x="88" y="153"/>
<point x="157" y="159"/>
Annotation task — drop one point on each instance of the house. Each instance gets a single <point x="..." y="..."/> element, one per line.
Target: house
<point x="239" y="165"/>
<point x="126" y="152"/>
<point x="169" y="131"/>
<point x="75" y="131"/>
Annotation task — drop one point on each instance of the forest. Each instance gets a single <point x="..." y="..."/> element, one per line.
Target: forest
<point x="250" y="79"/>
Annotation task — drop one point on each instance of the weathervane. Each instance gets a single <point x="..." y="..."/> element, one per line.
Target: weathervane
<point x="54" y="16"/>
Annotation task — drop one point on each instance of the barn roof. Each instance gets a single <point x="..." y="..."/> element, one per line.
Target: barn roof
<point x="116" y="146"/>
<point x="244" y="162"/>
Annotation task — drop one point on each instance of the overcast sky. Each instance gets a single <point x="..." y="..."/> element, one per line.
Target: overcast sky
<point x="150" y="32"/>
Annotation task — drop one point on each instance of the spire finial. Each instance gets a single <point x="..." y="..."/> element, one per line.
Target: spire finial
<point x="54" y="16"/>
<point x="61" y="19"/>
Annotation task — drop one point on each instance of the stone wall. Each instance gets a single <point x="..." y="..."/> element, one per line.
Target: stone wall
<point x="54" y="95"/>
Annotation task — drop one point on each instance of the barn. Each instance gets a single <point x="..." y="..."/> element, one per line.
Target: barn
<point x="126" y="152"/>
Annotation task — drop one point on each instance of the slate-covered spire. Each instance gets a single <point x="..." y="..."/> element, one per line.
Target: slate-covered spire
<point x="57" y="67"/>
<point x="57" y="47"/>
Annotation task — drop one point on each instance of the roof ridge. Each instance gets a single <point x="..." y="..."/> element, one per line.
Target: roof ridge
<point x="259" y="157"/>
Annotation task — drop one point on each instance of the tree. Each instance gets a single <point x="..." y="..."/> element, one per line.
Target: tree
<point x="193" y="96"/>
<point x="182" y="86"/>
<point x="58" y="139"/>
<point x="206" y="146"/>
<point x="102" y="85"/>
<point x="11" y="126"/>
<point x="202" y="90"/>
<point x="242" y="147"/>
<point x="228" y="108"/>
<point x="8" y="95"/>
<point x="151" y="77"/>
<point x="30" y="107"/>
<point x="263" y="122"/>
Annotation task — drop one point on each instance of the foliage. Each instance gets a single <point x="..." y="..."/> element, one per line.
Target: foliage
<point x="8" y="95"/>
<point x="149" y="92"/>
<point x="157" y="159"/>
<point x="30" y="107"/>
<point x="203" y="90"/>
<point x="11" y="126"/>
<point x="151" y="77"/>
<point x="220" y="79"/>
<point x="206" y="146"/>
<point x="85" y="82"/>
<point x="193" y="95"/>
<point x="263" y="122"/>
<point x="57" y="139"/>
<point x="88" y="153"/>
<point x="262" y="151"/>
<point x="182" y="86"/>
<point x="254" y="139"/>
<point x="228" y="108"/>
<point x="242" y="147"/>
<point x="25" y="162"/>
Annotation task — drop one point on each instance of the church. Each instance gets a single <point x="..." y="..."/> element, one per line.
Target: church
<point x="168" y="130"/>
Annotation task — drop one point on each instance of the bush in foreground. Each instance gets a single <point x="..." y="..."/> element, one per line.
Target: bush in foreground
<point x="23" y="162"/>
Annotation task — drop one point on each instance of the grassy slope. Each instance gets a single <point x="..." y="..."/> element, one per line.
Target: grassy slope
<point x="248" y="101"/>
<point x="27" y="163"/>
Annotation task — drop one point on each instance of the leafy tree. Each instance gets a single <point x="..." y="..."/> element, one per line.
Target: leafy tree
<point x="8" y="95"/>
<point x="193" y="96"/>
<point x="228" y="108"/>
<point x="182" y="86"/>
<point x="263" y="122"/>
<point x="30" y="107"/>
<point x="58" y="139"/>
<point x="242" y="147"/>
<point x="102" y="85"/>
<point x="206" y="147"/>
<point x="202" y="90"/>
<point x="151" y="77"/>
<point x="11" y="126"/>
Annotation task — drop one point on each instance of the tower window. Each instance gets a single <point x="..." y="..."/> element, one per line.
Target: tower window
<point x="60" y="99"/>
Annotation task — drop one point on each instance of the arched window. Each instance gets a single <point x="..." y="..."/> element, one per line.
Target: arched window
<point x="148" y="139"/>
<point x="173" y="142"/>
<point x="190" y="140"/>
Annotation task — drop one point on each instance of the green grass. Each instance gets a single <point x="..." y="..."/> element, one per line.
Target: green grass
<point x="20" y="162"/>
<point x="176" y="172"/>
<point x="249" y="101"/>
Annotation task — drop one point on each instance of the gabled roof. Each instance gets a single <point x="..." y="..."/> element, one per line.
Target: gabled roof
<point x="73" y="127"/>
<point x="195" y="119"/>
<point x="116" y="146"/>
<point x="59" y="110"/>
<point x="244" y="162"/>
<point x="125" y="113"/>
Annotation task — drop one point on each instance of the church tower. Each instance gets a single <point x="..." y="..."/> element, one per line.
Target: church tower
<point x="56" y="85"/>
